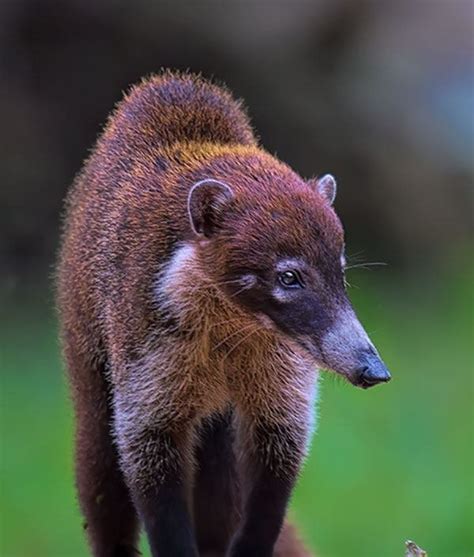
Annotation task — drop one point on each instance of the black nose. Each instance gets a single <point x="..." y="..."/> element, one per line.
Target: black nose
<point x="372" y="372"/>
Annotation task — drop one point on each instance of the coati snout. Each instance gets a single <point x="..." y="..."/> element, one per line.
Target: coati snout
<point x="299" y="285"/>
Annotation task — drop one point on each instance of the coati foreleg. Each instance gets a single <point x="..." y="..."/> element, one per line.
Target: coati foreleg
<point x="216" y="486"/>
<point x="271" y="454"/>
<point x="155" y="434"/>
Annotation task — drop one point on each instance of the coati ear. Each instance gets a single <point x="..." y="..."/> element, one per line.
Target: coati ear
<point x="207" y="200"/>
<point x="326" y="187"/>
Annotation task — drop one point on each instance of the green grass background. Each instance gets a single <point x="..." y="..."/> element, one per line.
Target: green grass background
<point x="387" y="464"/>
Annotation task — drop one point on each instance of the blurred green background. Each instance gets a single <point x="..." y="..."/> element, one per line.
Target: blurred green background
<point x="378" y="93"/>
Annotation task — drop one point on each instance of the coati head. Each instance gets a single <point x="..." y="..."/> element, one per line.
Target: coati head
<point x="274" y="244"/>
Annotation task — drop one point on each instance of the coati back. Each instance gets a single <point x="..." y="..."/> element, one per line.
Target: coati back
<point x="200" y="285"/>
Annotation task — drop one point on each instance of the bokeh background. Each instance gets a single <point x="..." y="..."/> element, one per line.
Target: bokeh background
<point x="380" y="93"/>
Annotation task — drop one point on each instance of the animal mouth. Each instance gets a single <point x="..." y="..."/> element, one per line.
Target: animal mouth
<point x="361" y="382"/>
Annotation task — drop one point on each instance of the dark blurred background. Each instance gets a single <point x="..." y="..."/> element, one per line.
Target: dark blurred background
<point x="379" y="93"/>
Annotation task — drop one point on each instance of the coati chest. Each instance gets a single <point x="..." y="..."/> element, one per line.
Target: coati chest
<point x="219" y="353"/>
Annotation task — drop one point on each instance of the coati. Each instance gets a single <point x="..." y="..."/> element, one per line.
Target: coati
<point x="200" y="286"/>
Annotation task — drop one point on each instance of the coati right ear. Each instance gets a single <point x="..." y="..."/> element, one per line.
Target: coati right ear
<point x="207" y="200"/>
<point x="325" y="186"/>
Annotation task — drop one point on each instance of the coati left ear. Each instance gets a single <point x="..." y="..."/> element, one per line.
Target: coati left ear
<point x="207" y="200"/>
<point x="326" y="187"/>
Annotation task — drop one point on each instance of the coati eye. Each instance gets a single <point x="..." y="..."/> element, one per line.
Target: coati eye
<point x="290" y="279"/>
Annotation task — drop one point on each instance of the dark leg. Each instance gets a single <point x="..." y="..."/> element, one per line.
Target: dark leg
<point x="110" y="518"/>
<point x="273" y="455"/>
<point x="216" y="491"/>
<point x="157" y="463"/>
<point x="164" y="506"/>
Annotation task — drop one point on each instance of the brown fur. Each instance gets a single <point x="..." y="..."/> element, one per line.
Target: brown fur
<point x="154" y="340"/>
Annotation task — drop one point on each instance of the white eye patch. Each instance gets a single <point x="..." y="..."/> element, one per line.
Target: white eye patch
<point x="248" y="280"/>
<point x="343" y="261"/>
<point x="281" y="295"/>
<point x="244" y="282"/>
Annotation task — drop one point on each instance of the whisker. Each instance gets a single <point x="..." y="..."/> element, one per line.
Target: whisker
<point x="230" y="281"/>
<point x="355" y="257"/>
<point x="220" y="343"/>
<point x="225" y="322"/>
<point x="213" y="284"/>
<point x="366" y="265"/>
<point x="245" y="287"/>
<point x="255" y="330"/>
